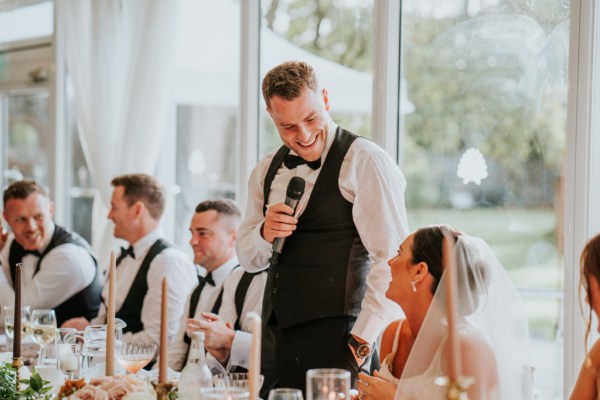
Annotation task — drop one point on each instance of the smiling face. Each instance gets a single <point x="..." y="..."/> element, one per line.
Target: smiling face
<point x="122" y="214"/>
<point x="30" y="219"/>
<point x="213" y="239"/>
<point x="302" y="122"/>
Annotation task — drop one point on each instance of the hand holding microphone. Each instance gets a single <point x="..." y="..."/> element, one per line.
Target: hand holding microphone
<point x="279" y="219"/>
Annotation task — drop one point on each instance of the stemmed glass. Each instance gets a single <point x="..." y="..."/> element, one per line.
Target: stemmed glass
<point x="9" y="317"/>
<point x="285" y="394"/>
<point x="134" y="356"/>
<point x="43" y="330"/>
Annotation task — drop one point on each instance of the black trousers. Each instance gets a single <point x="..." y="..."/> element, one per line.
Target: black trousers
<point x="288" y="353"/>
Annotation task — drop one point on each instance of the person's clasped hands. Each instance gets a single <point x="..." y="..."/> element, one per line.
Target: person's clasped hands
<point x="218" y="335"/>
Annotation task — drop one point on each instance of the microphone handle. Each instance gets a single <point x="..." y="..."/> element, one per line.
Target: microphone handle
<point x="280" y="241"/>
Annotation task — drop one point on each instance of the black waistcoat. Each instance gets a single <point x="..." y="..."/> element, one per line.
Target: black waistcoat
<point x="131" y="310"/>
<point x="84" y="303"/>
<point x="322" y="269"/>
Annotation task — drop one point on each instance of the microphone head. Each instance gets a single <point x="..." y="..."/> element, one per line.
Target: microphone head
<point x="295" y="188"/>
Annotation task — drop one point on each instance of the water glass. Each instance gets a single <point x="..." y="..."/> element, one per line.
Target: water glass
<point x="285" y="394"/>
<point x="224" y="393"/>
<point x="68" y="352"/>
<point x="327" y="384"/>
<point x="68" y="358"/>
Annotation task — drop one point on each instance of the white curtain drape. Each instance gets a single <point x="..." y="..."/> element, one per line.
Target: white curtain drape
<point x="119" y="57"/>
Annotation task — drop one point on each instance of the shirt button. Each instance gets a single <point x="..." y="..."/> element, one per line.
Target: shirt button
<point x="275" y="290"/>
<point x="276" y="274"/>
<point x="242" y="362"/>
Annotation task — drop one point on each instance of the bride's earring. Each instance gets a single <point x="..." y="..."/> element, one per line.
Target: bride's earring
<point x="413" y="284"/>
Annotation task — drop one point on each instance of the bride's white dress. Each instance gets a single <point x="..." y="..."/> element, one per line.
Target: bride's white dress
<point x="423" y="386"/>
<point x="419" y="387"/>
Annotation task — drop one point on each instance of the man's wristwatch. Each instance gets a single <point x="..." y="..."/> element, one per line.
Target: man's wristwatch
<point x="362" y="350"/>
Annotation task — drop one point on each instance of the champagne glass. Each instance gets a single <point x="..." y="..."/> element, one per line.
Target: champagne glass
<point x="234" y="379"/>
<point x="285" y="394"/>
<point x="43" y="330"/>
<point x="327" y="384"/>
<point x="134" y="356"/>
<point x="9" y="314"/>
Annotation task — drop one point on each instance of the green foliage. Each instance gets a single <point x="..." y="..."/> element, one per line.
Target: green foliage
<point x="37" y="388"/>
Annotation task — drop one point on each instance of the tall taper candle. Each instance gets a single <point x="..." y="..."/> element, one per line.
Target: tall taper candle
<point x="164" y="333"/>
<point x="254" y="368"/>
<point x="110" y="317"/>
<point x="17" y="314"/>
<point x="454" y="361"/>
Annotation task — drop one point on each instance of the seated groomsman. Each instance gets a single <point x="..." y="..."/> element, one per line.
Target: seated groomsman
<point x="59" y="270"/>
<point x="137" y="204"/>
<point x="214" y="231"/>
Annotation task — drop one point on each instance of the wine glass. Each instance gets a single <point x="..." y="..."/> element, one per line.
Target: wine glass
<point x="285" y="394"/>
<point x="9" y="316"/>
<point x="43" y="330"/>
<point x="327" y="384"/>
<point x="134" y="356"/>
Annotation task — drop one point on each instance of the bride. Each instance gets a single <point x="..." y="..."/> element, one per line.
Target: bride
<point x="588" y="382"/>
<point x="490" y="317"/>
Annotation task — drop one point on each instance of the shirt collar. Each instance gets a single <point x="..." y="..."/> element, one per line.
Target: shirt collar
<point x="141" y="247"/>
<point x="222" y="272"/>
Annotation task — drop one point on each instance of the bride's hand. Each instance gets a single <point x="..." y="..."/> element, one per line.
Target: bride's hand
<point x="375" y="388"/>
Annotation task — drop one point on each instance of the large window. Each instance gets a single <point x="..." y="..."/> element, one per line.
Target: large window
<point x="483" y="148"/>
<point x="207" y="101"/>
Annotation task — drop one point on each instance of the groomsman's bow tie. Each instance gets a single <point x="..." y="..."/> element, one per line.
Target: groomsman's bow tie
<point x="208" y="279"/>
<point x="32" y="252"/>
<point x="124" y="253"/>
<point x="291" y="161"/>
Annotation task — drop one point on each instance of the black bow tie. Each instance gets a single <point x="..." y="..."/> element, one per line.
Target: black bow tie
<point x="32" y="252"/>
<point x="208" y="279"/>
<point x="124" y="253"/>
<point x="290" y="161"/>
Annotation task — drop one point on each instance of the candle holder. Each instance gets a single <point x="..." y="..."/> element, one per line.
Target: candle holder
<point x="455" y="389"/>
<point x="17" y="363"/>
<point x="163" y="389"/>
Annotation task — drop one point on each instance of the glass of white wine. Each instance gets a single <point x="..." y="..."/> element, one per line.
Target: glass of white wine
<point x="43" y="330"/>
<point x="9" y="319"/>
<point x="134" y="356"/>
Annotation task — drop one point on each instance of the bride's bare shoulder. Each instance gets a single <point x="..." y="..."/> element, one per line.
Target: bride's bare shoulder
<point x="387" y="339"/>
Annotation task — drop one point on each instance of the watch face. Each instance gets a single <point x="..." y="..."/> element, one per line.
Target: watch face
<point x="363" y="351"/>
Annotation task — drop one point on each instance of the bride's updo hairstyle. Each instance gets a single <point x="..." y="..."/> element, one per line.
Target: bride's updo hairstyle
<point x="590" y="266"/>
<point x="427" y="248"/>
<point x="473" y="278"/>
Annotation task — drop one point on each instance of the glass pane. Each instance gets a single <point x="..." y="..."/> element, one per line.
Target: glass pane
<point x="82" y="189"/>
<point x="483" y="142"/>
<point x="28" y="138"/>
<point x="207" y="95"/>
<point x="336" y="39"/>
<point x="27" y="22"/>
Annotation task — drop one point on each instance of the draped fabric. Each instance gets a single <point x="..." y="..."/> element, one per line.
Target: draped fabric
<point x="119" y="57"/>
<point x="492" y="330"/>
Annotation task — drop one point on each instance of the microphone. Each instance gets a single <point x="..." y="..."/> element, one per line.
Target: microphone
<point x="294" y="193"/>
